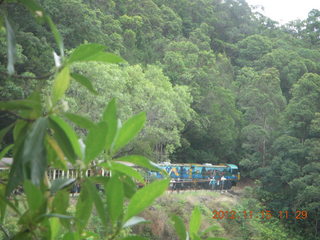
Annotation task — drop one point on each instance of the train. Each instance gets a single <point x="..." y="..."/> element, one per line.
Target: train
<point x="183" y="176"/>
<point x="199" y="176"/>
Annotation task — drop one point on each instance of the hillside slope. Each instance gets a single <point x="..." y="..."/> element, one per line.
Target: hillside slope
<point x="239" y="200"/>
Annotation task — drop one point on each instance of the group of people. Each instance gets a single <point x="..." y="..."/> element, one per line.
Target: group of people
<point x="218" y="182"/>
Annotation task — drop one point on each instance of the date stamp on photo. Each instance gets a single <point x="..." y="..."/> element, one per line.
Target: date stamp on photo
<point x="265" y="214"/>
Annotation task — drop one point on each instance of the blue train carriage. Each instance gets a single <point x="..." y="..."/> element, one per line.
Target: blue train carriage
<point x="227" y="174"/>
<point x="199" y="175"/>
<point x="221" y="176"/>
<point x="235" y="174"/>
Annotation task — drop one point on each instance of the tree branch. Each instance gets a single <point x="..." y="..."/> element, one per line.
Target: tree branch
<point x="123" y="153"/>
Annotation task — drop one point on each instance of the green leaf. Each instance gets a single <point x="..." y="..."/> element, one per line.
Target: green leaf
<point x="54" y="227"/>
<point x="129" y="130"/>
<point x="105" y="57"/>
<point x="37" y="108"/>
<point x="57" y="151"/>
<point x="195" y="237"/>
<point x="56" y="34"/>
<point x="5" y="151"/>
<point x="110" y="117"/>
<point x="60" y="205"/>
<point x="84" y="82"/>
<point x="34" y="195"/>
<point x="4" y="131"/>
<point x="211" y="228"/>
<point x="61" y="202"/>
<point x="145" y="196"/>
<point x="79" y="120"/>
<point x="60" y="84"/>
<point x="99" y="180"/>
<point x="101" y="211"/>
<point x="3" y="204"/>
<point x="83" y="208"/>
<point x="129" y="186"/>
<point x="195" y="221"/>
<point x="11" y="42"/>
<point x="114" y="193"/>
<point x="19" y="105"/>
<point x="92" y="52"/>
<point x="20" y="127"/>
<point x="85" y="51"/>
<point x="134" y="221"/>
<point x="60" y="183"/>
<point x="34" y="152"/>
<point x="179" y="227"/>
<point x="71" y="236"/>
<point x="66" y="138"/>
<point x="16" y="174"/>
<point x="140" y="161"/>
<point x="119" y="167"/>
<point x="95" y="141"/>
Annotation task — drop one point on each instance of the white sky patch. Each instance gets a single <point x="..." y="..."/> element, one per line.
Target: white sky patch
<point x="284" y="11"/>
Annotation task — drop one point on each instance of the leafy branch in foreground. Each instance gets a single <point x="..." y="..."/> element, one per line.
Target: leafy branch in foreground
<point x="194" y="227"/>
<point x="43" y="138"/>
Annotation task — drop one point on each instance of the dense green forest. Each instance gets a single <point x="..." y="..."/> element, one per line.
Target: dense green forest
<point x="220" y="83"/>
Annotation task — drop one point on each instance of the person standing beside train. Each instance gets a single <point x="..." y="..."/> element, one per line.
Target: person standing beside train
<point x="223" y="180"/>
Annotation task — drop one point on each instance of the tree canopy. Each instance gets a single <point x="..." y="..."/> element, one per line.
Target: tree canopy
<point x="218" y="81"/>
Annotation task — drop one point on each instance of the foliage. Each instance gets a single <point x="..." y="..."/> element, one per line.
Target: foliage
<point x="219" y="82"/>
<point x="167" y="106"/>
<point x="257" y="227"/>
<point x="194" y="227"/>
<point x="43" y="138"/>
<point x="261" y="100"/>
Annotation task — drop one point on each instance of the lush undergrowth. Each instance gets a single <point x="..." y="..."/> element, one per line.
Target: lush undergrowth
<point x="182" y="203"/>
